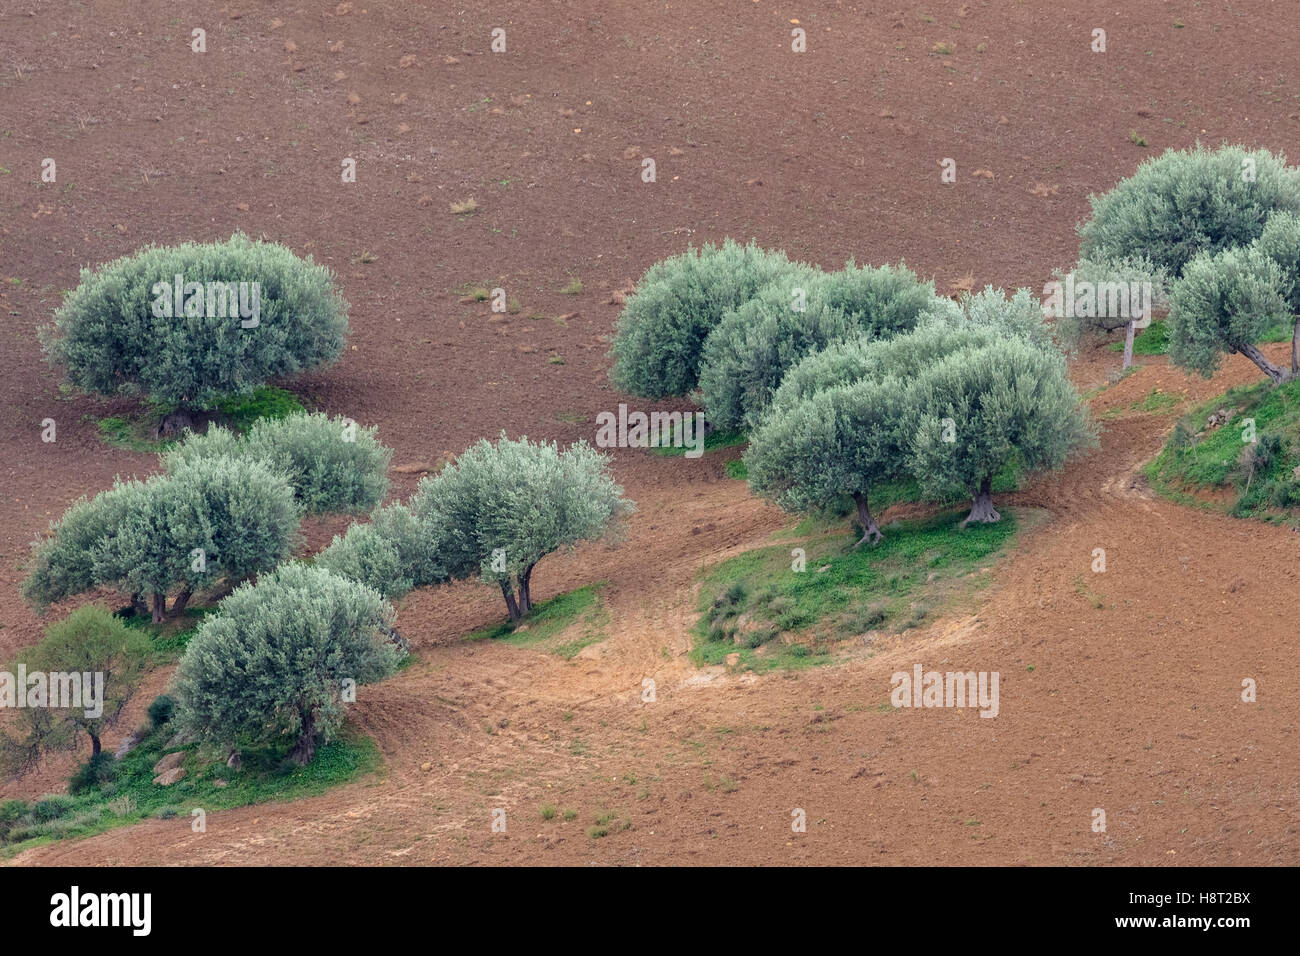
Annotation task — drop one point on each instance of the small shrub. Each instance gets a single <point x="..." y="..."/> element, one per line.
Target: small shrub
<point x="51" y="808"/>
<point x="392" y="553"/>
<point x="121" y="806"/>
<point x="11" y="811"/>
<point x="1257" y="457"/>
<point x="161" y="710"/>
<point x="93" y="774"/>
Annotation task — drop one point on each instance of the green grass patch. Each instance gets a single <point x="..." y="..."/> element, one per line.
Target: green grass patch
<point x="131" y="795"/>
<point x="265" y="402"/>
<point x="133" y="434"/>
<point x="712" y="441"/>
<point x="1157" y="401"/>
<point x="756" y="605"/>
<point x="577" y="615"/>
<point x="737" y="469"/>
<point x="170" y="637"/>
<point x="1154" y="339"/>
<point x="136" y="432"/>
<point x="1218" y="467"/>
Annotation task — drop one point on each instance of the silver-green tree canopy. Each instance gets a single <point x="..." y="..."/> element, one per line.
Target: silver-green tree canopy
<point x="492" y="514"/>
<point x="1177" y="218"/>
<point x="841" y="440"/>
<point x="1184" y="203"/>
<point x="1224" y="302"/>
<point x="975" y="411"/>
<point x="660" y="334"/>
<point x="747" y="354"/>
<point x="210" y="520"/>
<point x="332" y="464"/>
<point x="110" y="337"/>
<point x="983" y="380"/>
<point x="273" y="660"/>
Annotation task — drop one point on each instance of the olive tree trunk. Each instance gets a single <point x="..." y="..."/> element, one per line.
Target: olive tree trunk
<point x="182" y="599"/>
<point x="982" y="509"/>
<point x="869" y="530"/>
<point x="525" y="590"/>
<point x="305" y="748"/>
<point x="511" y="605"/>
<point x="1276" y="373"/>
<point x="159" y="607"/>
<point x="1128" y="343"/>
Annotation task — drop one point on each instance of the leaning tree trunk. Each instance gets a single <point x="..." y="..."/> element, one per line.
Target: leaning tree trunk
<point x="509" y="593"/>
<point x="182" y="599"/>
<point x="1276" y="373"/>
<point x="305" y="748"/>
<point x="159" y="607"/>
<point x="95" y="746"/>
<point x="1295" y="348"/>
<point x="869" y="530"/>
<point x="1128" y="343"/>
<point x="525" y="590"/>
<point x="982" y="509"/>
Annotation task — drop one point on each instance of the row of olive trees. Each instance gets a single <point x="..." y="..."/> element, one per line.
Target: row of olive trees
<point x="226" y="508"/>
<point x="187" y="326"/>
<point x="848" y="380"/>
<point x="950" y="404"/>
<point x="277" y="654"/>
<point x="1216" y="235"/>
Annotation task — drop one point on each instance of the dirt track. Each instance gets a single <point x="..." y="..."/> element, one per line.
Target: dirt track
<point x="1133" y="707"/>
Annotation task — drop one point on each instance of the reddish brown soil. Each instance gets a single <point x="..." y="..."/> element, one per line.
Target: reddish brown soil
<point x="1133" y="706"/>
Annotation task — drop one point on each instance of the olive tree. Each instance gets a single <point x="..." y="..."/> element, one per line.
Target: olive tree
<point x="190" y="324"/>
<point x="279" y="657"/>
<point x="492" y="514"/>
<point x="208" y="521"/>
<point x="660" y="334"/>
<point x="975" y="411"/>
<point x="332" y="464"/>
<point x="841" y="440"/>
<point x="1105" y="296"/>
<point x="86" y="669"/>
<point x="1224" y="303"/>
<point x="747" y="354"/>
<point x="502" y="506"/>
